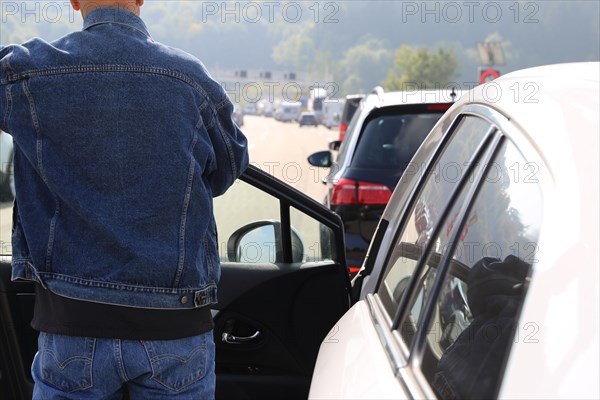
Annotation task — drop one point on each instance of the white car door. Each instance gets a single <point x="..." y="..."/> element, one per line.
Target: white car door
<point x="458" y="213"/>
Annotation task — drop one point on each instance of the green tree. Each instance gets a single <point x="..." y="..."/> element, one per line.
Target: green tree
<point x="296" y="51"/>
<point x="364" y="65"/>
<point x="422" y="67"/>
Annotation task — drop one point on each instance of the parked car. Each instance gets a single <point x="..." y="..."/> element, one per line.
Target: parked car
<point x="7" y="179"/>
<point x="379" y="145"/>
<point x="497" y="218"/>
<point x="308" y="118"/>
<point x="350" y="107"/>
<point x="482" y="279"/>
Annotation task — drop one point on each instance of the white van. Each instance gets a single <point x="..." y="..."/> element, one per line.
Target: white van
<point x="288" y="111"/>
<point x="332" y="112"/>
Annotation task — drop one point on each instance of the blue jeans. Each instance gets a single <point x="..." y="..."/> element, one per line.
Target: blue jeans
<point x="72" y="367"/>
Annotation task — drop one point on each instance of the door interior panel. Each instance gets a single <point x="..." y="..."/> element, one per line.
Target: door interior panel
<point x="18" y="341"/>
<point x="292" y="306"/>
<point x="292" y="310"/>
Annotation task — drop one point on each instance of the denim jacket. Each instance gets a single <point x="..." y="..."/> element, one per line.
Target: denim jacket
<point x="120" y="145"/>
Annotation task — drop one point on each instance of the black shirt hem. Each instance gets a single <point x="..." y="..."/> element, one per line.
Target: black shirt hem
<point x="64" y="316"/>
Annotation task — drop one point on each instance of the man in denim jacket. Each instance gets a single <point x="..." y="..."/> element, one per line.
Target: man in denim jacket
<point x="120" y="145"/>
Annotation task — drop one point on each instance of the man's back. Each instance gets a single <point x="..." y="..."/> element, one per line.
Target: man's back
<point x="121" y="144"/>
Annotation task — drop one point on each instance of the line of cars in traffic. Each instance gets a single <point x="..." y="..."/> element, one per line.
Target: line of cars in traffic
<point x="482" y="279"/>
<point x="333" y="112"/>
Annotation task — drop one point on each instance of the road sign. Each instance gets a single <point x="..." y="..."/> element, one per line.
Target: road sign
<point x="488" y="75"/>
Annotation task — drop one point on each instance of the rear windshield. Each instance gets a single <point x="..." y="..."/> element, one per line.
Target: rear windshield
<point x="349" y="109"/>
<point x="390" y="141"/>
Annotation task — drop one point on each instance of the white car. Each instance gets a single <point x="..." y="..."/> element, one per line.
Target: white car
<point x="482" y="280"/>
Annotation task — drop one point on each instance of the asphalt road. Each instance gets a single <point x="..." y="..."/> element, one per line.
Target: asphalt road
<point x="276" y="147"/>
<point x="282" y="148"/>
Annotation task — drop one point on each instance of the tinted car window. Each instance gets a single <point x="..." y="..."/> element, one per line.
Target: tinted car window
<point x="350" y="108"/>
<point x="474" y="315"/>
<point x="389" y="142"/>
<point x="308" y="119"/>
<point x="352" y="125"/>
<point x="424" y="216"/>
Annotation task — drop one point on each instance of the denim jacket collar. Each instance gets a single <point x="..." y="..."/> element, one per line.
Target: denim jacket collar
<point x="115" y="15"/>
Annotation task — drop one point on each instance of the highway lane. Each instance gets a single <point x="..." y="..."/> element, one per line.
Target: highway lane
<point x="282" y="148"/>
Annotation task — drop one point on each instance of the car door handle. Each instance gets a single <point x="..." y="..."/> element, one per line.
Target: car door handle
<point x="232" y="339"/>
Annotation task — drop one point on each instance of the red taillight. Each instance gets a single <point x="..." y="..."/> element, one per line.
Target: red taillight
<point x="347" y="191"/>
<point x="371" y="193"/>
<point x="353" y="270"/>
<point x="344" y="192"/>
<point x="343" y="128"/>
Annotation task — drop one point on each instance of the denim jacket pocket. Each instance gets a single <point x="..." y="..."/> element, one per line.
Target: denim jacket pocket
<point x="67" y="361"/>
<point x="177" y="364"/>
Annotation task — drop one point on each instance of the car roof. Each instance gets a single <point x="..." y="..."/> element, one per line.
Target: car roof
<point x="556" y="107"/>
<point x="551" y="114"/>
<point x="355" y="96"/>
<point x="379" y="98"/>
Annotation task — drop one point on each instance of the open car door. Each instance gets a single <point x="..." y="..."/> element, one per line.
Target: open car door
<point x="284" y="284"/>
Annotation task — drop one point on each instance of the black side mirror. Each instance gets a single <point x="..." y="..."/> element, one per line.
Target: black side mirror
<point x="260" y="242"/>
<point x="321" y="159"/>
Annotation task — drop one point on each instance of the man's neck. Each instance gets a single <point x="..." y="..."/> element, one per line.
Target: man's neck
<point x="130" y="5"/>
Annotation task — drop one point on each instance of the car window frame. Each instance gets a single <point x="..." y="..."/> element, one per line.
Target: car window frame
<point x="420" y="184"/>
<point x="405" y="360"/>
<point x="473" y="200"/>
<point x="289" y="197"/>
<point x="483" y="154"/>
<point x="494" y="146"/>
<point x="506" y="131"/>
<point x="396" y="349"/>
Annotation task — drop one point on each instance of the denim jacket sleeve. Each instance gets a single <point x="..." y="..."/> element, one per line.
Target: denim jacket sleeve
<point x="230" y="146"/>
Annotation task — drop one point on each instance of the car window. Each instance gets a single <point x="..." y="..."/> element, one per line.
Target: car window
<point x="441" y="182"/>
<point x="349" y="109"/>
<point x="473" y="316"/>
<point x="352" y="130"/>
<point x="390" y="141"/>
<point x="245" y="208"/>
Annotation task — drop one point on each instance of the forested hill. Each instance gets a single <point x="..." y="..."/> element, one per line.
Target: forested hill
<point x="352" y="41"/>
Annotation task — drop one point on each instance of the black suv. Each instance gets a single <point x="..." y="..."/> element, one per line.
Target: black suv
<point x="380" y="142"/>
